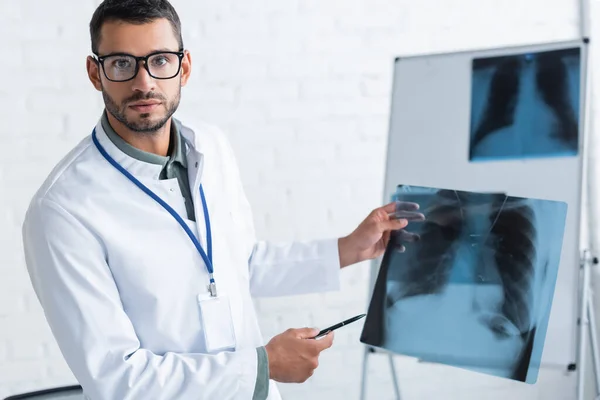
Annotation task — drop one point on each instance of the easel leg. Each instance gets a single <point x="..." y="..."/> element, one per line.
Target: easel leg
<point x="583" y="321"/>
<point x="363" y="386"/>
<point x="394" y="377"/>
<point x="587" y="318"/>
<point x="594" y="344"/>
<point x="364" y="373"/>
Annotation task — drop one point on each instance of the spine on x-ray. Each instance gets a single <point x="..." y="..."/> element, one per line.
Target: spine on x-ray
<point x="514" y="230"/>
<point x="428" y="269"/>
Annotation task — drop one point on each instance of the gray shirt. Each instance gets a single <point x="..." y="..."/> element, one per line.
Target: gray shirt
<point x="175" y="166"/>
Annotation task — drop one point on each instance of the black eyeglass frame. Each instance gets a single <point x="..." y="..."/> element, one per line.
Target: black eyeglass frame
<point x="100" y="59"/>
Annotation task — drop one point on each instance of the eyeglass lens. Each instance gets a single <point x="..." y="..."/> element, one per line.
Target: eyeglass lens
<point x="162" y="65"/>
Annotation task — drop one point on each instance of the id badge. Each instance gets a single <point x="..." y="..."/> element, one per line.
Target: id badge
<point x="217" y="322"/>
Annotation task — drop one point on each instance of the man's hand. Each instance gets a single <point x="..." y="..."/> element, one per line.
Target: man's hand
<point x="293" y="356"/>
<point x="371" y="237"/>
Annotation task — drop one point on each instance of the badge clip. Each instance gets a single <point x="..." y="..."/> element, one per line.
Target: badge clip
<point x="212" y="287"/>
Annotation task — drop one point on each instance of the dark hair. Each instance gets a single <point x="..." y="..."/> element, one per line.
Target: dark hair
<point x="135" y="12"/>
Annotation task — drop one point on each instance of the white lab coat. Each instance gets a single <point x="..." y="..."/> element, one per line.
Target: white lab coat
<point x="118" y="277"/>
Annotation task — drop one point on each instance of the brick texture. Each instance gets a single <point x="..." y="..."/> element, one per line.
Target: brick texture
<point x="302" y="87"/>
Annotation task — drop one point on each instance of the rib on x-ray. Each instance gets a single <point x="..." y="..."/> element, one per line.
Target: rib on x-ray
<point x="475" y="289"/>
<point x="525" y="105"/>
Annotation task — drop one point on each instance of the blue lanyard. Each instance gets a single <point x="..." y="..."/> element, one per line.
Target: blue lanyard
<point x="207" y="258"/>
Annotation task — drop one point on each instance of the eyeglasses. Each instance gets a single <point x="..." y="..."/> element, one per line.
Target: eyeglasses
<point x="122" y="67"/>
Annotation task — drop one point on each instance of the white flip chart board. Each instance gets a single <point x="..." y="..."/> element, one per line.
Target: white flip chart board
<point x="501" y="120"/>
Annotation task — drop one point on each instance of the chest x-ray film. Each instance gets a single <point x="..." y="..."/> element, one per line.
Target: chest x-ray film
<point x="475" y="291"/>
<point x="525" y="105"/>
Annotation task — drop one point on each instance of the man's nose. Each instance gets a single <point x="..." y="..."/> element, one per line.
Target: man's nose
<point x="143" y="81"/>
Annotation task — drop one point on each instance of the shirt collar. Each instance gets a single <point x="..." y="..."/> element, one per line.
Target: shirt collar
<point x="176" y="155"/>
<point x="142" y="170"/>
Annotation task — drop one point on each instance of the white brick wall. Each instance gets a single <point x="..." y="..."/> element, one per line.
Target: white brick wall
<point x="302" y="87"/>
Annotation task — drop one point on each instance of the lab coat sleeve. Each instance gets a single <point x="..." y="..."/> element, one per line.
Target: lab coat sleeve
<point x="280" y="268"/>
<point x="73" y="282"/>
<point x="284" y="268"/>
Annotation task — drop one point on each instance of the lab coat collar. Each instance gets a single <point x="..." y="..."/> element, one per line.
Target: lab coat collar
<point x="195" y="158"/>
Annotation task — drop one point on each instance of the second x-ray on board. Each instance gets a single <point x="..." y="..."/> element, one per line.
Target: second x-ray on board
<point x="476" y="290"/>
<point x="525" y="105"/>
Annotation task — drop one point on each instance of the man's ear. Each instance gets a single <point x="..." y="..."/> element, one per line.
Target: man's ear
<point x="93" y="70"/>
<point x="186" y="67"/>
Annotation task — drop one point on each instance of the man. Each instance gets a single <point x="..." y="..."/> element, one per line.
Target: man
<point x="140" y="244"/>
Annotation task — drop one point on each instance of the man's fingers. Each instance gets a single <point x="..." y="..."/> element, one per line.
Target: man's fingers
<point x="325" y="342"/>
<point x="306" y="333"/>
<point x="407" y="237"/>
<point x="401" y="206"/>
<point x="403" y="210"/>
<point x="406" y="205"/>
<point x="393" y="224"/>
<point x="401" y="237"/>
<point x="408" y="215"/>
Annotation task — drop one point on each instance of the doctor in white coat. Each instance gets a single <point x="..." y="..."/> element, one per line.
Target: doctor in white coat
<point x="140" y="243"/>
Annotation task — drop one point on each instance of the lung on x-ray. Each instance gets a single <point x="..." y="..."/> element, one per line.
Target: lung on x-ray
<point x="525" y="105"/>
<point x="475" y="290"/>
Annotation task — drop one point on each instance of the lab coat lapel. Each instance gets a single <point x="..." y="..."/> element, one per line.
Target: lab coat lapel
<point x="195" y="166"/>
<point x="195" y="161"/>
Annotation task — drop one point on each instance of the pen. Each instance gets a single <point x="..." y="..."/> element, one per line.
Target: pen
<point x="339" y="325"/>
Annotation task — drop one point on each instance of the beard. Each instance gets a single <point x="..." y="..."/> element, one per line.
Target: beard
<point x="145" y="124"/>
